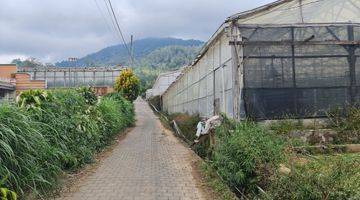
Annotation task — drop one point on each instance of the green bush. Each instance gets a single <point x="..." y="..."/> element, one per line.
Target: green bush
<point x="347" y="123"/>
<point x="334" y="177"/>
<point x="128" y="84"/>
<point x="40" y="141"/>
<point x="88" y="94"/>
<point x="248" y="156"/>
<point x="127" y="108"/>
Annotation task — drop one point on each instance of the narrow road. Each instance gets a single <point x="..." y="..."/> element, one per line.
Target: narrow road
<point x="150" y="163"/>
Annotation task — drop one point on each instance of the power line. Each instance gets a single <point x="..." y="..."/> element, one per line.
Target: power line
<point x="103" y="16"/>
<point x="111" y="18"/>
<point x="121" y="33"/>
<point x="116" y="26"/>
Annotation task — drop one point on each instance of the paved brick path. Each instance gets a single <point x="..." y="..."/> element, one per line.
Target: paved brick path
<point x="148" y="164"/>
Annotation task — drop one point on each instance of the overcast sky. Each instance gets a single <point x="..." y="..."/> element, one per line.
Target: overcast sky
<point x="54" y="30"/>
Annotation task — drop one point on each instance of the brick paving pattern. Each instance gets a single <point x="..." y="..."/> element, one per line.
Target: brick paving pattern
<point x="148" y="164"/>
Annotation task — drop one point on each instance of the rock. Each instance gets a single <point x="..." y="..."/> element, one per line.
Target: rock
<point x="284" y="170"/>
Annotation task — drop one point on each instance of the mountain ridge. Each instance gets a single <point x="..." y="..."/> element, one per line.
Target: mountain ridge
<point x="118" y="54"/>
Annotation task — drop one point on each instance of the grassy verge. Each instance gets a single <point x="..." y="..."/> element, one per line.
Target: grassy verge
<point x="49" y="133"/>
<point x="213" y="181"/>
<point x="219" y="190"/>
<point x="320" y="177"/>
<point x="261" y="163"/>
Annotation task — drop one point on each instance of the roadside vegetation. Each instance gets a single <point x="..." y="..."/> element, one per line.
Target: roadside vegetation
<point x="48" y="133"/>
<point x="128" y="84"/>
<point x="212" y="179"/>
<point x="273" y="161"/>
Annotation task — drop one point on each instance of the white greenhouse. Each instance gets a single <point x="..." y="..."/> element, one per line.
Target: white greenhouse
<point x="163" y="82"/>
<point x="294" y="58"/>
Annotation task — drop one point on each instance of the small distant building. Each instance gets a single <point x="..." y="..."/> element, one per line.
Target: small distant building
<point x="24" y="82"/>
<point x="102" y="91"/>
<point x="7" y="86"/>
<point x="6" y="70"/>
<point x="12" y="82"/>
<point x="7" y="90"/>
<point x="163" y="82"/>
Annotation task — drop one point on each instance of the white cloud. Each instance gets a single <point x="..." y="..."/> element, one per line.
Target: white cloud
<point x="7" y="58"/>
<point x="53" y="30"/>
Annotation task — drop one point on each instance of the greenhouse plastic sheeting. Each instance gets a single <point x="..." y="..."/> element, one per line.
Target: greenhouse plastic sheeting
<point x="283" y="78"/>
<point x="310" y="11"/>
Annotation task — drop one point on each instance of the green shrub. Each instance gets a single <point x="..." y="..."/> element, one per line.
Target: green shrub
<point x="114" y="121"/>
<point x="248" y="156"/>
<point x="347" y="123"/>
<point x="89" y="95"/>
<point x="128" y="84"/>
<point x="127" y="108"/>
<point x="334" y="177"/>
<point x="52" y="135"/>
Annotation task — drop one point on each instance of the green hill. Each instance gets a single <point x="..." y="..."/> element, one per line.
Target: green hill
<point x="152" y="57"/>
<point x="118" y="55"/>
<point x="164" y="59"/>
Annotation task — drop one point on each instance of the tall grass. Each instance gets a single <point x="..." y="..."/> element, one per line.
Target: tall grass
<point x="248" y="157"/>
<point x="41" y="141"/>
<point x="326" y="177"/>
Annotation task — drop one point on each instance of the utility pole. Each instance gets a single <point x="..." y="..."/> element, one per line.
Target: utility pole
<point x="132" y="50"/>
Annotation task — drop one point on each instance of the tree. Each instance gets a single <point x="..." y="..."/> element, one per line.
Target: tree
<point x="128" y="84"/>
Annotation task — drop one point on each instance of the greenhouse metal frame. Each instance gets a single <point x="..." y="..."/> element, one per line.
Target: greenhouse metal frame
<point x="300" y="71"/>
<point x="287" y="59"/>
<point x="57" y="77"/>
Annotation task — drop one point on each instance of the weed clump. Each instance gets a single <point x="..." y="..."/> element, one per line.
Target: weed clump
<point x="334" y="177"/>
<point x="248" y="156"/>
<point x="347" y="123"/>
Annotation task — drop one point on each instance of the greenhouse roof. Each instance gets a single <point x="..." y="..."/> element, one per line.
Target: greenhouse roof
<point x="302" y="11"/>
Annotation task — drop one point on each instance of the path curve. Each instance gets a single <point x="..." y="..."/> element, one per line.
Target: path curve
<point x="150" y="163"/>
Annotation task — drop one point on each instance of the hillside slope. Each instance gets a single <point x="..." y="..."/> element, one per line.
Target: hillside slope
<point x="118" y="55"/>
<point x="162" y="60"/>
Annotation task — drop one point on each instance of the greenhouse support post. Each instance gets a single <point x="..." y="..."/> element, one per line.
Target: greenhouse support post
<point x="235" y="72"/>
